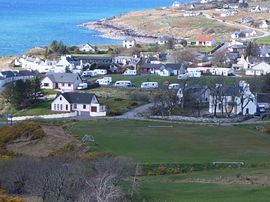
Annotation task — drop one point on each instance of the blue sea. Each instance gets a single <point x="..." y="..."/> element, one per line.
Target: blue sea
<point x="28" y="23"/>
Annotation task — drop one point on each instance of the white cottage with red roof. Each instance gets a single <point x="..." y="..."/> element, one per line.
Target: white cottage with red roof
<point x="205" y="40"/>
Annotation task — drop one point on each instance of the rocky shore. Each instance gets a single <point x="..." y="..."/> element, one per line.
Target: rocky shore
<point x="112" y="31"/>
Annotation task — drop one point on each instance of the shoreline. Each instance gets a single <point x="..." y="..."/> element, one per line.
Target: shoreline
<point x="112" y="31"/>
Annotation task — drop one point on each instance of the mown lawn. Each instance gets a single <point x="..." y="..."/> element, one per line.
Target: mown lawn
<point x="41" y="108"/>
<point x="148" y="142"/>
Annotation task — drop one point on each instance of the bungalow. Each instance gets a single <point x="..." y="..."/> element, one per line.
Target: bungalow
<point x="260" y="69"/>
<point x="129" y="43"/>
<point x="163" y="40"/>
<point x="87" y="48"/>
<point x="61" y="81"/>
<point x="205" y="41"/>
<point x="161" y="69"/>
<point x="265" y="51"/>
<point x="83" y="104"/>
<point x="2" y="81"/>
<point x="234" y="99"/>
<point x="243" y="34"/>
<point x="8" y="75"/>
<point x="246" y="19"/>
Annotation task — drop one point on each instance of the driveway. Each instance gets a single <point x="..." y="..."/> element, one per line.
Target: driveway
<point x="136" y="113"/>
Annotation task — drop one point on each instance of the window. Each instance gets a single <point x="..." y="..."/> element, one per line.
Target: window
<point x="75" y="106"/>
<point x="63" y="84"/>
<point x="66" y="107"/>
<point x="219" y="106"/>
<point x="84" y="106"/>
<point x="69" y="85"/>
<point x="54" y="107"/>
<point x="61" y="107"/>
<point x="60" y="98"/>
<point x="46" y="84"/>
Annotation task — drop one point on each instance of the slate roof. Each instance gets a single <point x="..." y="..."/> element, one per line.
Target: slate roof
<point x="26" y="73"/>
<point x="8" y="74"/>
<point x="63" y="77"/>
<point x="88" y="59"/>
<point x="152" y="66"/>
<point x="78" y="98"/>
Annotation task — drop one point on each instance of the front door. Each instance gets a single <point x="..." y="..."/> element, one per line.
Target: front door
<point x="56" y="85"/>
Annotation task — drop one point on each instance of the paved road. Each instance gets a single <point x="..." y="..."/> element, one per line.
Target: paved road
<point x="238" y="25"/>
<point x="137" y="112"/>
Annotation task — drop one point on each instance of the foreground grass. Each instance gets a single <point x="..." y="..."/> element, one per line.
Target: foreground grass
<point x="166" y="188"/>
<point x="148" y="142"/>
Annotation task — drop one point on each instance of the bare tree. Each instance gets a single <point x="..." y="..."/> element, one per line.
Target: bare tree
<point x="185" y="56"/>
<point x="103" y="185"/>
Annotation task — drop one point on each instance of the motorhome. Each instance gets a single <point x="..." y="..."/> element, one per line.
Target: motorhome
<point x="100" y="71"/>
<point x="89" y="73"/>
<point x="149" y="85"/>
<point x="82" y="86"/>
<point x="123" y="83"/>
<point x="105" y="81"/>
<point x="174" y="86"/>
<point x="130" y="72"/>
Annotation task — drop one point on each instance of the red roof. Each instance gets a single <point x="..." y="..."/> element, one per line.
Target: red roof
<point x="204" y="38"/>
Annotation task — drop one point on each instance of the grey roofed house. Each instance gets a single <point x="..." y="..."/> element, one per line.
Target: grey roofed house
<point x="76" y="60"/>
<point x="78" y="98"/>
<point x="26" y="73"/>
<point x="63" y="77"/>
<point x="7" y="74"/>
<point x="265" y="51"/>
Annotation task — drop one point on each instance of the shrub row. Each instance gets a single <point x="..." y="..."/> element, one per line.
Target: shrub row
<point x="24" y="129"/>
<point x="170" y="169"/>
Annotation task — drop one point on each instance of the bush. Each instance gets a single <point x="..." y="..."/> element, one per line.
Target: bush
<point x="118" y="99"/>
<point x="24" y="129"/>
<point x="142" y="97"/>
<point x="133" y="104"/>
<point x="114" y="113"/>
<point x="6" y="198"/>
<point x="67" y="148"/>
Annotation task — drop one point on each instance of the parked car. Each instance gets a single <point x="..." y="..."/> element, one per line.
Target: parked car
<point x="148" y="85"/>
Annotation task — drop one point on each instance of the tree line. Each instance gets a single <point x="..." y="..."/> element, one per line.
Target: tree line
<point x="22" y="93"/>
<point x="63" y="178"/>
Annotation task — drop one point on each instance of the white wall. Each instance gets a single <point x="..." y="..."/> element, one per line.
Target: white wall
<point x="48" y="81"/>
<point x="60" y="104"/>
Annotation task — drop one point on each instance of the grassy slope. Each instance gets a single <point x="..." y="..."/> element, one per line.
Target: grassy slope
<point x="182" y="143"/>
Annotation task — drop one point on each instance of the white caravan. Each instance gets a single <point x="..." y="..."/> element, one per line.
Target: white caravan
<point x="149" y="85"/>
<point x="123" y="83"/>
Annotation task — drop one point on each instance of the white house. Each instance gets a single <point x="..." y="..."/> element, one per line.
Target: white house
<point x="83" y="104"/>
<point x="87" y="48"/>
<point x="260" y="69"/>
<point x="129" y="43"/>
<point x="62" y="81"/>
<point x="205" y="40"/>
<point x="234" y="100"/>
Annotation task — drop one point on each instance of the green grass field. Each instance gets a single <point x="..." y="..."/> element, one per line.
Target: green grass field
<point x="179" y="144"/>
<point x="148" y="142"/>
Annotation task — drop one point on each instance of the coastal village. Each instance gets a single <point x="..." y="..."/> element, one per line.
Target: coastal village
<point x="190" y="68"/>
<point x="178" y="61"/>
